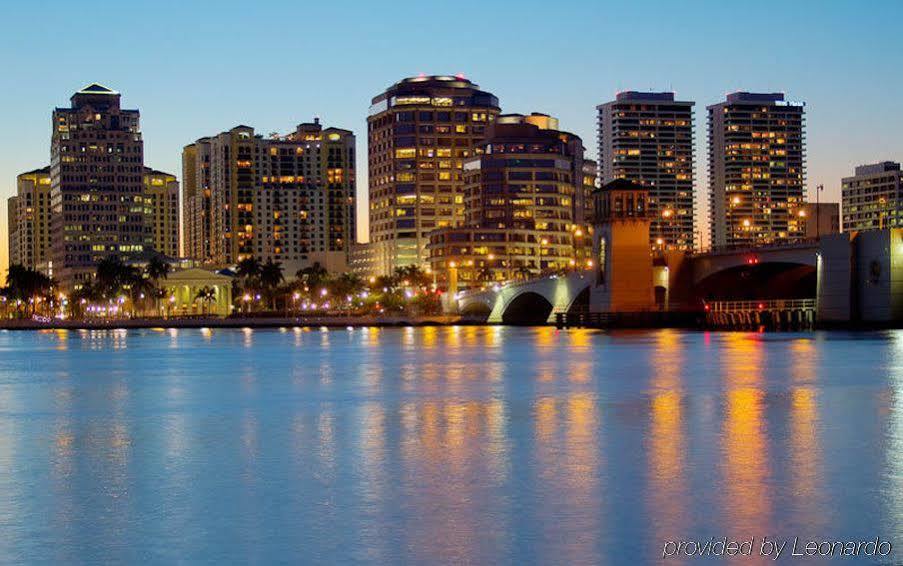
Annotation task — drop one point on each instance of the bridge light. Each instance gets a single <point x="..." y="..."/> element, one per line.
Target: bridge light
<point x="761" y="306"/>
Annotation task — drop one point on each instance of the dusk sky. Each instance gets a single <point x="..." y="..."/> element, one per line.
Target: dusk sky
<point x="198" y="68"/>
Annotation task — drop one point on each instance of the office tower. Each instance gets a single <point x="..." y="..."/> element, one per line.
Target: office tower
<point x="28" y="213"/>
<point x="196" y="214"/>
<point x="757" y="169"/>
<point x="283" y="198"/>
<point x="871" y="199"/>
<point x="647" y="138"/>
<point x="96" y="178"/>
<point x="420" y="131"/>
<point x="161" y="208"/>
<point x="522" y="192"/>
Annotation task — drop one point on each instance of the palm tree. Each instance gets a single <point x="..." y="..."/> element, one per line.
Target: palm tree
<point x="312" y="276"/>
<point x="412" y="276"/>
<point x="270" y="278"/>
<point x="157" y="269"/>
<point x="26" y="287"/>
<point x="206" y="295"/>
<point x="248" y="269"/>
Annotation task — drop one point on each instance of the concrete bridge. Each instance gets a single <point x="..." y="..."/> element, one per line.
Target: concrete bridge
<point x="535" y="301"/>
<point x="682" y="282"/>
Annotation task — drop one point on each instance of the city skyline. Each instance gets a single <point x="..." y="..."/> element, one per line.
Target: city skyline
<point x="178" y="104"/>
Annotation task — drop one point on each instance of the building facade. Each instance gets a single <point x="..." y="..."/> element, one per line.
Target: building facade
<point x="524" y="190"/>
<point x="420" y="132"/>
<point x="757" y="169"/>
<point x="647" y="138"/>
<point x="871" y="199"/>
<point x="821" y="219"/>
<point x="161" y="209"/>
<point x="196" y="216"/>
<point x="29" y="219"/>
<point x="284" y="198"/>
<point x="96" y="179"/>
<point x="30" y="227"/>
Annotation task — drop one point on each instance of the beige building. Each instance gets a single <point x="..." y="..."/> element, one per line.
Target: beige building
<point x="161" y="209"/>
<point x="283" y="198"/>
<point x="757" y="169"/>
<point x="29" y="219"/>
<point x="420" y="132"/>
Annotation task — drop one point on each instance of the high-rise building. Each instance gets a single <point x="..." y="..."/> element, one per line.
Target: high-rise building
<point x="196" y="218"/>
<point x="29" y="219"/>
<point x="523" y="191"/>
<point x="647" y="138"/>
<point x="757" y="169"/>
<point x="96" y="178"/>
<point x="284" y="198"/>
<point x="420" y="131"/>
<point x="161" y="208"/>
<point x="30" y="227"/>
<point x="873" y="197"/>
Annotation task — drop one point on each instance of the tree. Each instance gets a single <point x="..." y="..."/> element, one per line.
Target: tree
<point x="248" y="270"/>
<point x="412" y="276"/>
<point x="206" y="295"/>
<point x="270" y="276"/>
<point x="157" y="269"/>
<point x="26" y="288"/>
<point x="312" y="276"/>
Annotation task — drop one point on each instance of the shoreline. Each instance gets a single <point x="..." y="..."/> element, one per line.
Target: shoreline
<point x="249" y="322"/>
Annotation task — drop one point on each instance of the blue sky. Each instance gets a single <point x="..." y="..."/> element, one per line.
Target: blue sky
<point x="197" y="68"/>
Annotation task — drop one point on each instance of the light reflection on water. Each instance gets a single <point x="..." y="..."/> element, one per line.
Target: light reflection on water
<point x="448" y="445"/>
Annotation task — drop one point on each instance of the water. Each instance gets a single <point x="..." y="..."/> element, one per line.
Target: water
<point x="441" y="445"/>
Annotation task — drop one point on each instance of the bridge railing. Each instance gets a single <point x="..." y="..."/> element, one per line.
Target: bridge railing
<point x="764" y="305"/>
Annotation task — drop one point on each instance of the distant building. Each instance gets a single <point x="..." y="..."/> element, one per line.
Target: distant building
<point x="757" y="169"/>
<point x="872" y="198"/>
<point x="420" y="131"/>
<point x="821" y="219"/>
<point x="647" y="137"/>
<point x="96" y="172"/>
<point x="523" y="190"/>
<point x="161" y="208"/>
<point x="29" y="219"/>
<point x="286" y="198"/>
<point x="30" y="231"/>
<point x="196" y="213"/>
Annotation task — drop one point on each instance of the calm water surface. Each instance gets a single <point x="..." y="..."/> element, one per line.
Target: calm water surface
<point x="441" y="445"/>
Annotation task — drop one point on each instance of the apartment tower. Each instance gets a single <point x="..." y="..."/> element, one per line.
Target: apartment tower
<point x="757" y="169"/>
<point x="647" y="138"/>
<point x="283" y="198"/>
<point x="29" y="219"/>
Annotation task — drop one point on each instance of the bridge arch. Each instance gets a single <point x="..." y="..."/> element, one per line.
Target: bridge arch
<point x="528" y="308"/>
